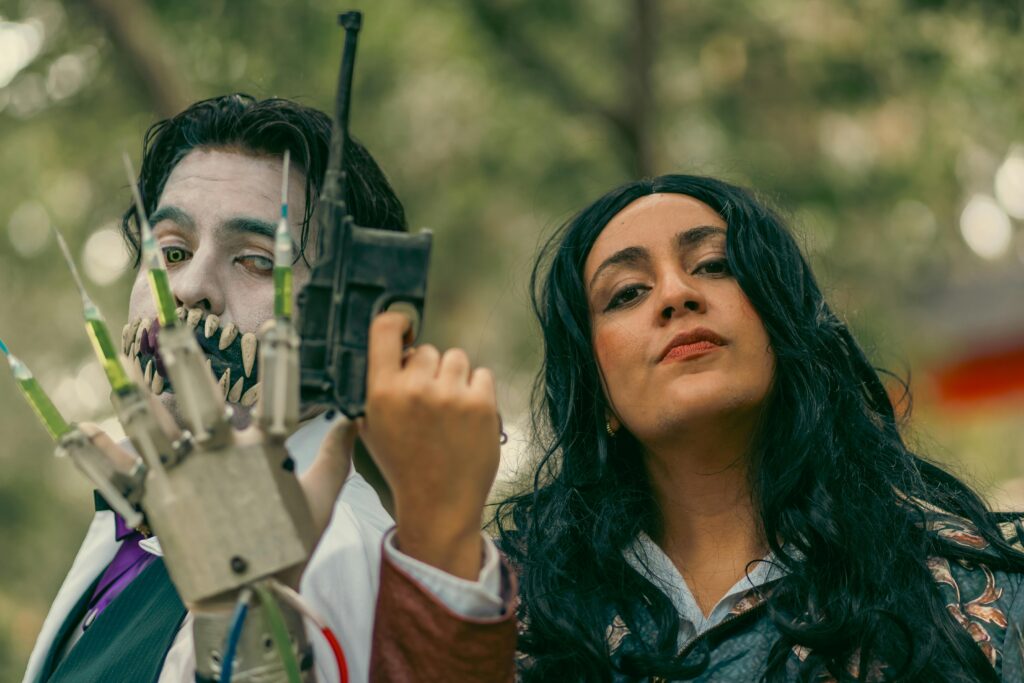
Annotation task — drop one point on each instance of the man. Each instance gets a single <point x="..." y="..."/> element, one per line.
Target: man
<point x="210" y="180"/>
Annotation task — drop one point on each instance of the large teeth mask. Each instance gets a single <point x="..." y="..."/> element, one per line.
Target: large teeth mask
<point x="231" y="356"/>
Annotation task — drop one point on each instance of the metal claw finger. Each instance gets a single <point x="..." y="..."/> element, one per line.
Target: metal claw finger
<point x="116" y="487"/>
<point x="278" y="407"/>
<point x="200" y="400"/>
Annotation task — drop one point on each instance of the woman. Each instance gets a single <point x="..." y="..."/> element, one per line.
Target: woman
<point x="724" y="493"/>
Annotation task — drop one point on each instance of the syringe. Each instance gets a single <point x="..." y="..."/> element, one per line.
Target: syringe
<point x="48" y="414"/>
<point x="96" y="326"/>
<point x="159" y="283"/>
<point x="283" y="252"/>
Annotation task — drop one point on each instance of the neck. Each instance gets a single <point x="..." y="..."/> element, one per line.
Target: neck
<point x="708" y="525"/>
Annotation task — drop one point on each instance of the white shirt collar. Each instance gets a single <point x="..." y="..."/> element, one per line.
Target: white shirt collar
<point x="647" y="558"/>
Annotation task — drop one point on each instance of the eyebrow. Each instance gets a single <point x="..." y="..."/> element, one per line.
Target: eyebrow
<point x="173" y="214"/>
<point x="687" y="239"/>
<point x="698" y="235"/>
<point x="238" y="224"/>
<point x="254" y="226"/>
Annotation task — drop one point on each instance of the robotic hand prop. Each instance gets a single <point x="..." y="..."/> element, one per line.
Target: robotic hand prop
<point x="232" y="518"/>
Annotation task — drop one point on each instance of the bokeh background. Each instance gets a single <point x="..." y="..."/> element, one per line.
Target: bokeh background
<point x="891" y="132"/>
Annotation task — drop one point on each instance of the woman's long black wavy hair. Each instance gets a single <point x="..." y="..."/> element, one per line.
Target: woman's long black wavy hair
<point x="832" y="481"/>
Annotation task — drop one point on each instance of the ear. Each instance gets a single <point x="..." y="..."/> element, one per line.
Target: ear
<point x="612" y="420"/>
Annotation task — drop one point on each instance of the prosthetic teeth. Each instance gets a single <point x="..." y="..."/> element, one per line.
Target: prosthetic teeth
<point x="248" y="352"/>
<point x="250" y="397"/>
<point x="227" y="335"/>
<point x="143" y="327"/>
<point x="225" y="382"/>
<point x="128" y="336"/>
<point x="231" y="355"/>
<point x="212" y="323"/>
<point x="235" y="395"/>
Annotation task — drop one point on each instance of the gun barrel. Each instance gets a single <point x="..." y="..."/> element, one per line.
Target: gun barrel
<point x="334" y="183"/>
<point x="360" y="270"/>
<point x="351" y="22"/>
<point x="332" y="195"/>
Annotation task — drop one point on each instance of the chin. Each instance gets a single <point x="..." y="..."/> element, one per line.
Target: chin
<point x="699" y="400"/>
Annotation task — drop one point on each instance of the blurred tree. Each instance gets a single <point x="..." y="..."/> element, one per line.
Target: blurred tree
<point x="629" y="120"/>
<point x="136" y="33"/>
<point x="872" y="123"/>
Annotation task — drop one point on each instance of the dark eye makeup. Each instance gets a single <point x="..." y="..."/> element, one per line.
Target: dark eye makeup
<point x="625" y="296"/>
<point x="174" y="255"/>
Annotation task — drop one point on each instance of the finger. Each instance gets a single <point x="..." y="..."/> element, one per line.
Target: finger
<point x="481" y="383"/>
<point x="385" y="347"/>
<point x="424" y="360"/>
<point x="454" y="367"/>
<point x="121" y="459"/>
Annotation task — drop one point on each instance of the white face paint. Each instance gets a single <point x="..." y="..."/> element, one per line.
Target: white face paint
<point x="215" y="222"/>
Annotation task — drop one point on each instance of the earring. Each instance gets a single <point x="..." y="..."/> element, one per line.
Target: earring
<point x="608" y="428"/>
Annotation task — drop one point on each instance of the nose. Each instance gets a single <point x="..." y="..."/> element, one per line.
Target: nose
<point x="679" y="294"/>
<point x="195" y="283"/>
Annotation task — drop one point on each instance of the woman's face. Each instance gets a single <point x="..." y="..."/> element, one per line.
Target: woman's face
<point x="676" y="339"/>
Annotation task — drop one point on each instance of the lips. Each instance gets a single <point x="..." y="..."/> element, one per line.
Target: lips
<point x="696" y="341"/>
<point x="231" y="356"/>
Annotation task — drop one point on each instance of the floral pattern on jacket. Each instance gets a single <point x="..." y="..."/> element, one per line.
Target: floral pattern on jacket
<point x="988" y="605"/>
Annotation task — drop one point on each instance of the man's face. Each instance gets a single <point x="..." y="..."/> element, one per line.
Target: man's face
<point x="215" y="223"/>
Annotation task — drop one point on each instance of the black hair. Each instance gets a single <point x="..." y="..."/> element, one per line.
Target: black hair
<point x="839" y="495"/>
<point x="241" y="122"/>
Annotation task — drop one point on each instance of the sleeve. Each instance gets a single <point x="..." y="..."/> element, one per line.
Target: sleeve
<point x="1013" y="641"/>
<point x="420" y="636"/>
<point x="341" y="583"/>
<point x="475" y="599"/>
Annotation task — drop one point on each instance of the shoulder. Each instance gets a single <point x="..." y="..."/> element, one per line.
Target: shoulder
<point x="984" y="598"/>
<point x="962" y="532"/>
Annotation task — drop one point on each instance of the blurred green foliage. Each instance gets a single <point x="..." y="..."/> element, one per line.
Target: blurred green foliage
<point x="870" y="123"/>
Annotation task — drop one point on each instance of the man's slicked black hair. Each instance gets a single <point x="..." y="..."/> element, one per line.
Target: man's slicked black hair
<point x="263" y="127"/>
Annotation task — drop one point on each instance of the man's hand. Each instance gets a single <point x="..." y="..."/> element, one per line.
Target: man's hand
<point x="432" y="426"/>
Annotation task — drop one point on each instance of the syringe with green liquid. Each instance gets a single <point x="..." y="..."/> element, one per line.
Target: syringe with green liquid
<point x="48" y="414"/>
<point x="96" y="327"/>
<point x="159" y="283"/>
<point x="283" y="253"/>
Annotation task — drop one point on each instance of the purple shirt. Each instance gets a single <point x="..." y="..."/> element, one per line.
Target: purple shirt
<point x="128" y="563"/>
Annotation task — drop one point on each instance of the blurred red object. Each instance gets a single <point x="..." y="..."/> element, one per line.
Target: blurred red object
<point x="993" y="374"/>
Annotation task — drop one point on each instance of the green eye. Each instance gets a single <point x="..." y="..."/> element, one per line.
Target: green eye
<point x="175" y="254"/>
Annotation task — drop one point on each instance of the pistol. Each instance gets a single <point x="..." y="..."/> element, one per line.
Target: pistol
<point x="360" y="271"/>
